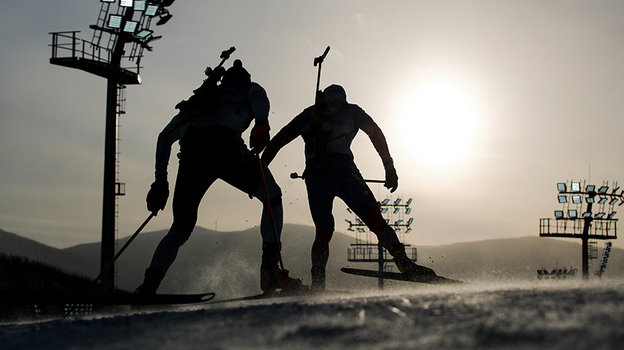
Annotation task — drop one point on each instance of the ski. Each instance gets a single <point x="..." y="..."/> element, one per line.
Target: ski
<point x="306" y="292"/>
<point x="38" y="298"/>
<point x="400" y="276"/>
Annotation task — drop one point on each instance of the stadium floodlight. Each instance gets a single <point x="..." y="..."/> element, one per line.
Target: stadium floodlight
<point x="397" y="210"/>
<point x="408" y="230"/>
<point x="397" y="201"/>
<point x="151" y="10"/>
<point x="359" y="222"/>
<point x="114" y="21"/>
<point x="603" y="189"/>
<point x="165" y="16"/>
<point x="590" y="188"/>
<point x="144" y="33"/>
<point x="409" y="201"/>
<point x="610" y="216"/>
<point x="573" y="213"/>
<point x="563" y="199"/>
<point x="613" y="201"/>
<point x="140" y="5"/>
<point x="576" y="187"/>
<point x="590" y="200"/>
<point x="384" y="210"/>
<point x="398" y="222"/>
<point x="408" y="210"/>
<point x="587" y="214"/>
<point x="600" y="215"/>
<point x="130" y="26"/>
<point x="409" y="222"/>
<point x="360" y="230"/>
<point x="603" y="200"/>
<point x="125" y="3"/>
<point x="385" y="201"/>
<point x="576" y="199"/>
<point x="561" y="187"/>
<point x="558" y="214"/>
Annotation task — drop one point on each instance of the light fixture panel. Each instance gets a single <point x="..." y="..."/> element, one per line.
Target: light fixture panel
<point x="114" y="21"/>
<point x="603" y="189"/>
<point x="561" y="187"/>
<point x="576" y="199"/>
<point x="590" y="188"/>
<point x="559" y="214"/>
<point x="562" y="199"/>
<point x="573" y="213"/>
<point x="125" y="3"/>
<point x="140" y="5"/>
<point x="151" y="10"/>
<point x="576" y="187"/>
<point x="130" y="26"/>
<point x="144" y="33"/>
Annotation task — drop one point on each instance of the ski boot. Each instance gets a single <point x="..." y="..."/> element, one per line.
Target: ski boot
<point x="406" y="265"/>
<point x="272" y="278"/>
<point x="152" y="280"/>
<point x="318" y="279"/>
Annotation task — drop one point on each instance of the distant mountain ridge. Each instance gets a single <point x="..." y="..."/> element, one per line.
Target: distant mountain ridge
<point x="229" y="262"/>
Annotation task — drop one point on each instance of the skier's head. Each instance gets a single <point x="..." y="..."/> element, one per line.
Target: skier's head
<point x="335" y="97"/>
<point x="237" y="74"/>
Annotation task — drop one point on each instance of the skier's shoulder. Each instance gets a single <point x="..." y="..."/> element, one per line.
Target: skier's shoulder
<point x="256" y="91"/>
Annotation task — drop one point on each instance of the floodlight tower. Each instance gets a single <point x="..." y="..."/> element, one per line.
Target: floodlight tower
<point x="363" y="250"/>
<point x="576" y="219"/>
<point x="121" y="34"/>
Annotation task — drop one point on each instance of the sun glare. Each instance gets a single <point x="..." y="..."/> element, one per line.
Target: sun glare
<point x="438" y="123"/>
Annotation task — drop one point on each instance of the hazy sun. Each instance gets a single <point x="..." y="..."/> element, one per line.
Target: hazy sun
<point x="438" y="123"/>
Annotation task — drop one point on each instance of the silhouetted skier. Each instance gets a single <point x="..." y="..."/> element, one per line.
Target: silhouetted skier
<point x="209" y="128"/>
<point x="328" y="128"/>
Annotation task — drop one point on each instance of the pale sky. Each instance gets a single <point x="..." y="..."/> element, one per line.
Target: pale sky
<point x="486" y="105"/>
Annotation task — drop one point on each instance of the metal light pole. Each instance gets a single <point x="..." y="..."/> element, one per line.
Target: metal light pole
<point x="578" y="203"/>
<point x="119" y="23"/>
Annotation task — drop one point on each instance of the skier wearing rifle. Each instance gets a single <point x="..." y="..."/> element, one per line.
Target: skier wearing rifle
<point x="328" y="129"/>
<point x="209" y="128"/>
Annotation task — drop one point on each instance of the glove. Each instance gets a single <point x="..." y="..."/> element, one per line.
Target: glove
<point x="157" y="196"/>
<point x="392" y="180"/>
<point x="259" y="137"/>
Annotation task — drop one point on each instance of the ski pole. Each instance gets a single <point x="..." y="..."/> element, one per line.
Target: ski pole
<point x="267" y="205"/>
<point x="297" y="176"/>
<point x="110" y="264"/>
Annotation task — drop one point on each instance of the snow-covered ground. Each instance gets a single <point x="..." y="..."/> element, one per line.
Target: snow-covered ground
<point x="530" y="315"/>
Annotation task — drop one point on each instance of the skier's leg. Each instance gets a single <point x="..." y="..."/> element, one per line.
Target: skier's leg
<point x="320" y="200"/>
<point x="358" y="196"/>
<point x="189" y="190"/>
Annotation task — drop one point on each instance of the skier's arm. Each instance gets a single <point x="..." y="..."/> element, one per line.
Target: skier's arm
<point x="170" y="134"/>
<point x="288" y="133"/>
<point x="259" y="104"/>
<point x="275" y="145"/>
<point x="379" y="142"/>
